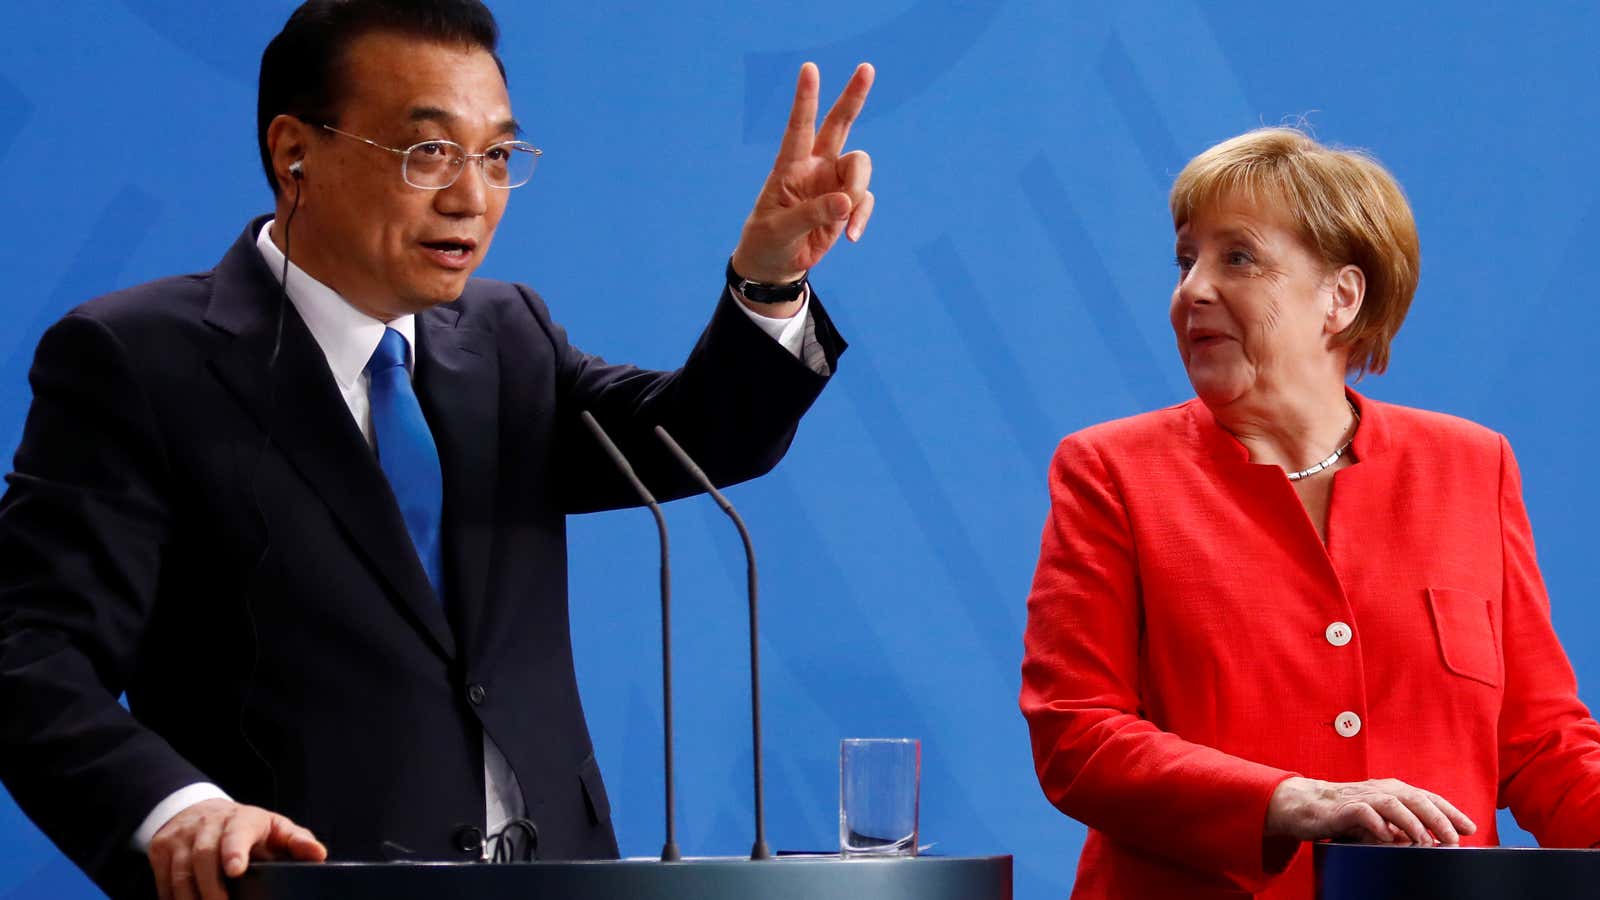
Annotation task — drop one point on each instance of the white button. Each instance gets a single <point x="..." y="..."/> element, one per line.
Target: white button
<point x="1348" y="724"/>
<point x="1338" y="634"/>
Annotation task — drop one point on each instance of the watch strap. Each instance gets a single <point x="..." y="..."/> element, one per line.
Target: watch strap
<point x="758" y="292"/>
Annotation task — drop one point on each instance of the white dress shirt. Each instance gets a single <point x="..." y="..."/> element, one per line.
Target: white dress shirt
<point x="348" y="338"/>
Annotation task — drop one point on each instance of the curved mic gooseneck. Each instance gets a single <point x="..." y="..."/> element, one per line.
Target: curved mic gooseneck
<point x="669" y="851"/>
<point x="760" y="850"/>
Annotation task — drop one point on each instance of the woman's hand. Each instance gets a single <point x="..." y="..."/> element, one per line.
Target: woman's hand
<point x="1382" y="810"/>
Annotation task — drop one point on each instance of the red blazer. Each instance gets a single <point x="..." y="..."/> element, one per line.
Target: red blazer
<point x="1191" y="642"/>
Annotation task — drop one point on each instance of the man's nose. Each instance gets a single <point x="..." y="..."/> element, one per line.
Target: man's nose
<point x="469" y="195"/>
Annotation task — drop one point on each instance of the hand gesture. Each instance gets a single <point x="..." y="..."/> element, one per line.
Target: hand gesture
<point x="197" y="847"/>
<point x="813" y="194"/>
<point x="1381" y="811"/>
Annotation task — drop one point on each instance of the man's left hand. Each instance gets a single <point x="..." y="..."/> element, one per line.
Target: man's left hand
<point x="814" y="193"/>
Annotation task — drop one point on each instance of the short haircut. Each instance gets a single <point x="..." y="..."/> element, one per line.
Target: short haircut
<point x="301" y="69"/>
<point x="1347" y="207"/>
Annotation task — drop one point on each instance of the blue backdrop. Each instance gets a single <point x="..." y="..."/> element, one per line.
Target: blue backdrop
<point x="1012" y="288"/>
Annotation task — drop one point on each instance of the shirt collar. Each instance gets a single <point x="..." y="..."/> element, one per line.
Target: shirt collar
<point x="346" y="335"/>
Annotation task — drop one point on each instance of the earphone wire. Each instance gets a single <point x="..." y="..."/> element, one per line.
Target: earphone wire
<point x="255" y="485"/>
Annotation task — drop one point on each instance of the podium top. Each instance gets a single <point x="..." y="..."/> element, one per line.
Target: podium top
<point x="714" y="878"/>
<point x="1379" y="872"/>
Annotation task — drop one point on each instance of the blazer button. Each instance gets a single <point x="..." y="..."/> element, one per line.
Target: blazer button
<point x="476" y="693"/>
<point x="469" y="839"/>
<point x="1338" y="634"/>
<point x="1348" y="724"/>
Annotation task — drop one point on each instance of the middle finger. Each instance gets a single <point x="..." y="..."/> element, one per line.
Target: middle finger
<point x="836" y="127"/>
<point x="1395" y="810"/>
<point x="181" y="875"/>
<point x="205" y="861"/>
<point x="1432" y="816"/>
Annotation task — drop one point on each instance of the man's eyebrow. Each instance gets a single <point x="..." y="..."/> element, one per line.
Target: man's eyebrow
<point x="431" y="114"/>
<point x="445" y="117"/>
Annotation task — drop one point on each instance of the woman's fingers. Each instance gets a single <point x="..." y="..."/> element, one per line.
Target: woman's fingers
<point x="1385" y="811"/>
<point x="1458" y="818"/>
<point x="1364" y="820"/>
<point x="1399" y="812"/>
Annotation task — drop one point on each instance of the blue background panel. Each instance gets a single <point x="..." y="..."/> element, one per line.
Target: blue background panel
<point x="1012" y="288"/>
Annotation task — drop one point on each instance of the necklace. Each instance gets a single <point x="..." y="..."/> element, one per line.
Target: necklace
<point x="1338" y="452"/>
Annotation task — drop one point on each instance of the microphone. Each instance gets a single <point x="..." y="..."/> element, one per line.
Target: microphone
<point x="669" y="851"/>
<point x="760" y="849"/>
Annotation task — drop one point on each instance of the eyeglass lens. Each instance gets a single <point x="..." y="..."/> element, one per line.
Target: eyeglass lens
<point x="437" y="164"/>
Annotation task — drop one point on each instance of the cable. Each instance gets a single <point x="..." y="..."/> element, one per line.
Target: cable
<point x="255" y="492"/>
<point x="508" y="849"/>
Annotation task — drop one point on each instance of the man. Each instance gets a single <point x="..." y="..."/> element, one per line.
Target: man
<point x="307" y="509"/>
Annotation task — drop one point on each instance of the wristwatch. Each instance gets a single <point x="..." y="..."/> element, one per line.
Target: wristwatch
<point x="756" y="292"/>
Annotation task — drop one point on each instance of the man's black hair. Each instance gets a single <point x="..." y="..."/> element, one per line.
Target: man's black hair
<point x="302" y="69"/>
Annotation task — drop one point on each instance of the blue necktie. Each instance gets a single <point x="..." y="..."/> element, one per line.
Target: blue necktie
<point x="406" y="450"/>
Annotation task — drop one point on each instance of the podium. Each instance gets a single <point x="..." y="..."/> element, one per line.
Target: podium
<point x="1377" y="872"/>
<point x="784" y="878"/>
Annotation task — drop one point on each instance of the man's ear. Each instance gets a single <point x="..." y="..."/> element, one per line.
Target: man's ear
<point x="1347" y="290"/>
<point x="288" y="140"/>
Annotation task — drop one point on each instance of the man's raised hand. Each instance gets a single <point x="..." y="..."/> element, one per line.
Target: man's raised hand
<point x="814" y="193"/>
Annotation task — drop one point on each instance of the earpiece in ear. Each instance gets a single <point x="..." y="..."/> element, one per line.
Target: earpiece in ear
<point x="298" y="168"/>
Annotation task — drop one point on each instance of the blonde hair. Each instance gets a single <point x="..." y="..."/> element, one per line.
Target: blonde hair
<point x="1347" y="207"/>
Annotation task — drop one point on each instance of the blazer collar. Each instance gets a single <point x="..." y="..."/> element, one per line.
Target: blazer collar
<point x="458" y="384"/>
<point x="295" y="400"/>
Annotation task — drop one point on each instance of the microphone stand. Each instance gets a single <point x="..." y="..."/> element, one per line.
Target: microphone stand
<point x="760" y="850"/>
<point x="669" y="850"/>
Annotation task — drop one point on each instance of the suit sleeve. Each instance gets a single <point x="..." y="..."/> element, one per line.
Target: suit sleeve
<point x="82" y="528"/>
<point x="1549" y="743"/>
<point x="734" y="406"/>
<point x="1098" y="759"/>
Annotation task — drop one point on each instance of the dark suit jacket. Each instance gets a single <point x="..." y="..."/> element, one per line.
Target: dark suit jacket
<point x="212" y="535"/>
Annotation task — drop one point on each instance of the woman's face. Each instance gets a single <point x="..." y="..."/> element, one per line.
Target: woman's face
<point x="1255" y="308"/>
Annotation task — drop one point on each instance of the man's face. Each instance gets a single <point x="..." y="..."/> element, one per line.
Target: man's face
<point x="389" y="248"/>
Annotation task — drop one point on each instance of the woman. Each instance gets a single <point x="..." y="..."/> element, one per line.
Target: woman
<point x="1282" y="612"/>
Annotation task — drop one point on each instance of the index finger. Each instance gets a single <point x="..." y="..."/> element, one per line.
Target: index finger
<point x="836" y="127"/>
<point x="1462" y="823"/>
<point x="797" y="137"/>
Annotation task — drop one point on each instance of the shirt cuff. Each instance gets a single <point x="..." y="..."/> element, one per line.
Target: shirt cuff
<point x="788" y="332"/>
<point x="796" y="334"/>
<point x="176" y="802"/>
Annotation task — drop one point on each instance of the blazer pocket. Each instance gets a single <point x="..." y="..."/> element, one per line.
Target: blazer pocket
<point x="1463" y="622"/>
<point x="594" y="791"/>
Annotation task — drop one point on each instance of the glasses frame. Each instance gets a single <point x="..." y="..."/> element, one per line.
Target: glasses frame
<point x="479" y="158"/>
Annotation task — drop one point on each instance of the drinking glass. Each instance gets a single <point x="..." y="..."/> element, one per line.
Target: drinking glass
<point x="879" y="780"/>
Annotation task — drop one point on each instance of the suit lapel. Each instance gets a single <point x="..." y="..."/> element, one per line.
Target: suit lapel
<point x="457" y="381"/>
<point x="298" y="404"/>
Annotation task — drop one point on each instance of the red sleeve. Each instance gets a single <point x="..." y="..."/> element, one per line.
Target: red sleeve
<point x="1549" y="743"/>
<point x="1098" y="760"/>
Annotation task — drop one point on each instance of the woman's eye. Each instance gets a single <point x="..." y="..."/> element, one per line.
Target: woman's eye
<point x="1184" y="263"/>
<point x="1240" y="258"/>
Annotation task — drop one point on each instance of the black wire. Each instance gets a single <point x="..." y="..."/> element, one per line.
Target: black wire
<point x="255" y="490"/>
<point x="507" y="849"/>
<point x="283" y="300"/>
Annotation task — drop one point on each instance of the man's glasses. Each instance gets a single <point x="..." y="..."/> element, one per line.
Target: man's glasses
<point x="435" y="165"/>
